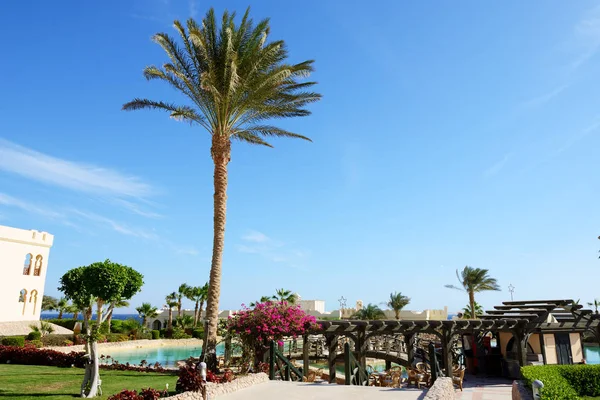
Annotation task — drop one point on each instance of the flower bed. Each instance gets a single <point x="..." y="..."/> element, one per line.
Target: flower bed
<point x="564" y="381"/>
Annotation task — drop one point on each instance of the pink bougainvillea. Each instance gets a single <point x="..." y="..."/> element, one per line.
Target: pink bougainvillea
<point x="270" y="321"/>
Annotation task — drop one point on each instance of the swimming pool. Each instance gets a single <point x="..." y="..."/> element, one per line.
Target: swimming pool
<point x="592" y="354"/>
<point x="166" y="356"/>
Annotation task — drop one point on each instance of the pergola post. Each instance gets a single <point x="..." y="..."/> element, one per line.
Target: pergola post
<point x="360" y="347"/>
<point x="305" y="348"/>
<point x="521" y="342"/>
<point x="543" y="347"/>
<point x="410" y="350"/>
<point x="447" y="349"/>
<point x="332" y="344"/>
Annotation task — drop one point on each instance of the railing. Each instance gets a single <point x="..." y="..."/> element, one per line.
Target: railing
<point x="285" y="369"/>
<point x="355" y="373"/>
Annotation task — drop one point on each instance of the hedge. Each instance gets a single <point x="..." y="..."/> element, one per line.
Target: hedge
<point x="155" y="334"/>
<point x="18" y="341"/>
<point x="34" y="335"/>
<point x="65" y="323"/>
<point x="31" y="356"/>
<point x="564" y="382"/>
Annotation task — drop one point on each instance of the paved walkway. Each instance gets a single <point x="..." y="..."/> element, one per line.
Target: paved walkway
<point x="277" y="390"/>
<point x="480" y="388"/>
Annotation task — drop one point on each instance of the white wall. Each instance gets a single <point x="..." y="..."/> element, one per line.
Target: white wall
<point x="312" y="305"/>
<point x="15" y="244"/>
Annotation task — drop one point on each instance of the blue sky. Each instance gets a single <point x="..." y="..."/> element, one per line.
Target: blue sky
<point x="449" y="135"/>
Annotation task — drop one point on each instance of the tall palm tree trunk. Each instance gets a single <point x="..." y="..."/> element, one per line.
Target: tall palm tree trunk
<point x="170" y="324"/>
<point x="60" y="314"/>
<point x="221" y="153"/>
<point x="196" y="315"/>
<point x="109" y="320"/>
<point x="472" y="303"/>
<point x="200" y="310"/>
<point x="397" y="312"/>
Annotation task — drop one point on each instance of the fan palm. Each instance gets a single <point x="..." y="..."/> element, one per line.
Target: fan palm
<point x="397" y="302"/>
<point x="49" y="303"/>
<point x="263" y="299"/>
<point x="181" y="293"/>
<point x="467" y="314"/>
<point x="595" y="304"/>
<point x="145" y="311"/>
<point x="62" y="306"/>
<point x="198" y="294"/>
<point x="369" y="312"/>
<point x="184" y="322"/>
<point x="115" y="304"/>
<point x="474" y="280"/>
<point x="171" y="300"/>
<point x="285" y="295"/>
<point x="234" y="81"/>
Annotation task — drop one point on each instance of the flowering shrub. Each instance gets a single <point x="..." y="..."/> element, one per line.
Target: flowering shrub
<point x="269" y="321"/>
<point x="189" y="379"/>
<point x="125" y="395"/>
<point x="143" y="367"/>
<point x="31" y="355"/>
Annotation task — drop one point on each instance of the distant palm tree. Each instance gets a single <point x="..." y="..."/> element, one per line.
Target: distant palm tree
<point x="115" y="304"/>
<point x="474" y="280"/>
<point x="369" y="312"/>
<point x="171" y="300"/>
<point x="62" y="306"/>
<point x="263" y="299"/>
<point x="397" y="302"/>
<point x="145" y="311"/>
<point x="72" y="309"/>
<point x="234" y="82"/>
<point x="285" y="295"/>
<point x="197" y="294"/>
<point x="181" y="293"/>
<point x="49" y="303"/>
<point x="184" y="322"/>
<point x="595" y="304"/>
<point x="467" y="311"/>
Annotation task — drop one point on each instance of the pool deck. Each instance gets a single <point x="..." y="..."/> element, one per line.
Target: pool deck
<point x="132" y="344"/>
<point x="482" y="388"/>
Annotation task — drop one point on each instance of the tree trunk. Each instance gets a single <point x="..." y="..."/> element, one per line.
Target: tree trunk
<point x="196" y="315"/>
<point x="76" y="315"/>
<point x="60" y="314"/>
<point x="179" y="308"/>
<point x="397" y="314"/>
<point x="200" y="310"/>
<point x="99" y="313"/>
<point x="472" y="303"/>
<point x="109" y="320"/>
<point x="221" y="153"/>
<point x="170" y="324"/>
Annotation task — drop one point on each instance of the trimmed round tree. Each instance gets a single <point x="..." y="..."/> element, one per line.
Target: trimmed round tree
<point x="99" y="284"/>
<point x="269" y="321"/>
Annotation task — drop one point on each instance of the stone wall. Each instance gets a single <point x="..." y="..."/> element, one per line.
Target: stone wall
<point x="214" y="390"/>
<point x="442" y="389"/>
<point x="520" y="391"/>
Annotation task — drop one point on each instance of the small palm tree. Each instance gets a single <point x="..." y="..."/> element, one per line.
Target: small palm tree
<point x="145" y="311"/>
<point x="62" y="306"/>
<point x="263" y="299"/>
<point x="72" y="309"/>
<point x="370" y="312"/>
<point x="115" y="304"/>
<point x="285" y="295"/>
<point x="197" y="294"/>
<point x="171" y="300"/>
<point x="595" y="304"/>
<point x="44" y="329"/>
<point x="49" y="303"/>
<point x="234" y="81"/>
<point x="184" y="322"/>
<point x="474" y="280"/>
<point x="467" y="311"/>
<point x="397" y="302"/>
<point x="181" y="293"/>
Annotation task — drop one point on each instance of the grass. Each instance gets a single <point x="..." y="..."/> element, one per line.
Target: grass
<point x="26" y="382"/>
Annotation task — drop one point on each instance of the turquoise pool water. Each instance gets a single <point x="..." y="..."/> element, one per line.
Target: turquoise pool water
<point x="166" y="356"/>
<point x="592" y="354"/>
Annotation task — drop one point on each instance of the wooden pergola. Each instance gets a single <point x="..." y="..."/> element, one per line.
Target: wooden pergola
<point x="521" y="318"/>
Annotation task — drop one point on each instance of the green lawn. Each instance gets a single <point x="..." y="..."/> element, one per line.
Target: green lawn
<point x="26" y="382"/>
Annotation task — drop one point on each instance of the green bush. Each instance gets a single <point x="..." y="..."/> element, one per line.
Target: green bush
<point x="143" y="335"/>
<point x="55" y="340"/>
<point x="179" y="334"/>
<point x="65" y="323"/>
<point x="116" y="337"/>
<point x="37" y="343"/>
<point x="18" y="341"/>
<point x="35" y="335"/>
<point x="116" y="326"/>
<point x="155" y="334"/>
<point x="562" y="382"/>
<point x="198" y="333"/>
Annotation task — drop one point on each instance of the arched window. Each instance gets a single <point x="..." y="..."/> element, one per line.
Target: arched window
<point x="28" y="262"/>
<point x="23" y="299"/>
<point x="156" y="325"/>
<point x="37" y="270"/>
<point x="33" y="296"/>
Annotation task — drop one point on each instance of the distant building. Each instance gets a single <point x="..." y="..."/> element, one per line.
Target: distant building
<point x="312" y="305"/>
<point x="23" y="263"/>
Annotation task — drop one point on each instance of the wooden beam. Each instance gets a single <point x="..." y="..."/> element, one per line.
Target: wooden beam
<point x="305" y="350"/>
<point x="332" y="343"/>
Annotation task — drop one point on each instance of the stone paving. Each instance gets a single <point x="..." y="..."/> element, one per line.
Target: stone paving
<point x="482" y="388"/>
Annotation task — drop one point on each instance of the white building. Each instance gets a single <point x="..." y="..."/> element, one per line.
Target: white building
<point x="312" y="305"/>
<point x="23" y="264"/>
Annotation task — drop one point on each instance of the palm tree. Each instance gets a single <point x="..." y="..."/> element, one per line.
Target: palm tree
<point x="145" y="311"/>
<point x="72" y="309"/>
<point x="181" y="293"/>
<point x="263" y="299"/>
<point x="234" y="81"/>
<point x="171" y="300"/>
<point x="397" y="302"/>
<point x="467" y="311"/>
<point x="62" y="306"/>
<point x="370" y="312"/>
<point x="115" y="304"/>
<point x="285" y="295"/>
<point x="185" y="321"/>
<point x="474" y="280"/>
<point x="49" y="303"/>
<point x="595" y="304"/>
<point x="198" y="294"/>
